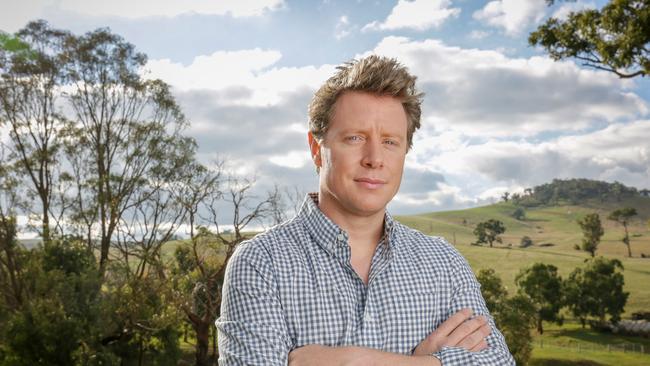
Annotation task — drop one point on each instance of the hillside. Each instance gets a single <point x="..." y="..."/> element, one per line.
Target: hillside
<point x="554" y="231"/>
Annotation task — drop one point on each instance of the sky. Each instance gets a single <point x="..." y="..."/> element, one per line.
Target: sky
<point x="498" y="114"/>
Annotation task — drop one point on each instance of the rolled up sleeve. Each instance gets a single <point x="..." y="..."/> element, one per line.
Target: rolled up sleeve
<point x="252" y="329"/>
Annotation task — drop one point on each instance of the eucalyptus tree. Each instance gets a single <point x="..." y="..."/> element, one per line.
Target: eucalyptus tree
<point x="623" y="216"/>
<point x="121" y="127"/>
<point x="30" y="79"/>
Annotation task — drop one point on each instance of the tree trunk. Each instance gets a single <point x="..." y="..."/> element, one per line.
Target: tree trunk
<point x="46" y="221"/>
<point x="539" y="326"/>
<point x="202" y="343"/>
<point x="627" y="241"/>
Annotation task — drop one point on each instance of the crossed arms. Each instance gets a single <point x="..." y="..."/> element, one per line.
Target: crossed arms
<point x="457" y="331"/>
<point x="253" y="329"/>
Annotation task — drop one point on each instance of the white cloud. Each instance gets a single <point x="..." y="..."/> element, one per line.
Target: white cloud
<point x="343" y="28"/>
<point x="482" y="115"/>
<point x="563" y="11"/>
<point x="513" y="16"/>
<point x="478" y="34"/>
<point x="249" y="71"/>
<point x="416" y="14"/>
<point x="485" y="93"/>
<point x="294" y="159"/>
<point x="619" y="151"/>
<point x="17" y="14"/>
<point x="170" y="8"/>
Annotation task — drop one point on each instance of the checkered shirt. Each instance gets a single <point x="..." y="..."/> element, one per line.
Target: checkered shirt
<point x="293" y="286"/>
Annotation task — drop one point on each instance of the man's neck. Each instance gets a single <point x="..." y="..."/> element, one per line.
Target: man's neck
<point x="364" y="232"/>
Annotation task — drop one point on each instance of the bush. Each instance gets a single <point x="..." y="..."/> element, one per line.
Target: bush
<point x="519" y="214"/>
<point x="514" y="316"/>
<point x="526" y="242"/>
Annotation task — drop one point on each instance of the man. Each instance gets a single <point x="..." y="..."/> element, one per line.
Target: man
<point x="343" y="283"/>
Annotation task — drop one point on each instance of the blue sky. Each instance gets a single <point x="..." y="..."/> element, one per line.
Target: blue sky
<point x="498" y="114"/>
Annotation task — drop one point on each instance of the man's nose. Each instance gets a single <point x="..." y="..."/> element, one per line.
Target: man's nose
<point x="373" y="156"/>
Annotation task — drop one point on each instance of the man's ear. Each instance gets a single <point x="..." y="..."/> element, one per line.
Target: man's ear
<point x="314" y="148"/>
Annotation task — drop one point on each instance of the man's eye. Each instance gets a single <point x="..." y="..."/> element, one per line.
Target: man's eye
<point x="391" y="142"/>
<point x="353" y="138"/>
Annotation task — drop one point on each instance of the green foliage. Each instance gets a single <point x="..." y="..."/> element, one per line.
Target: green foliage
<point x="576" y="191"/>
<point x="59" y="309"/>
<point x="41" y="334"/>
<point x="543" y="286"/>
<point x="513" y="315"/>
<point x="492" y="288"/>
<point x="592" y="231"/>
<point x="614" y="38"/>
<point x="489" y="231"/>
<point x="519" y="213"/>
<point x="623" y="215"/>
<point x="597" y="290"/>
<point x="69" y="317"/>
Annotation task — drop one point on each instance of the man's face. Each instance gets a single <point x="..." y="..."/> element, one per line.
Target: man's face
<point x="361" y="157"/>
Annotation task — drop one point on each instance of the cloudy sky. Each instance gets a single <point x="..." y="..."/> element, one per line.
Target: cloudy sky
<point x="498" y="114"/>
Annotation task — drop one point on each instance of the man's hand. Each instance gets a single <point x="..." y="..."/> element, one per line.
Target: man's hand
<point x="457" y="331"/>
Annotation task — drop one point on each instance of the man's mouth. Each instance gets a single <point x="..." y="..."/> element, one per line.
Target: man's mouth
<point x="370" y="183"/>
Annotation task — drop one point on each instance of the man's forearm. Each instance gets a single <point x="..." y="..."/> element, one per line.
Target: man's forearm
<point x="352" y="356"/>
<point x="380" y="358"/>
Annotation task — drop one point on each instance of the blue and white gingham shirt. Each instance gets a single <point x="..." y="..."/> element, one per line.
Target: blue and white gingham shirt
<point x="293" y="286"/>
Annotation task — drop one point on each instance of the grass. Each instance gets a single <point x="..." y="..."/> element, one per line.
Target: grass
<point x="571" y="345"/>
<point x="554" y="231"/>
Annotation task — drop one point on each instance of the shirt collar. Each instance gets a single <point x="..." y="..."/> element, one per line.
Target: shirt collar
<point x="325" y="232"/>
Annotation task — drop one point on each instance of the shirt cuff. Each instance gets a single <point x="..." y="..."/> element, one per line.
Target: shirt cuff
<point x="452" y="356"/>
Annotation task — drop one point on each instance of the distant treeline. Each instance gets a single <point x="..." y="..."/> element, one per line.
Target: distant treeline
<point x="575" y="191"/>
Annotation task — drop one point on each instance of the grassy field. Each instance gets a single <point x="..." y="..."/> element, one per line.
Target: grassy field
<point x="572" y="345"/>
<point x="555" y="232"/>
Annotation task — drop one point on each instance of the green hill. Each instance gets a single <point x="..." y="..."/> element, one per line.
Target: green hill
<point x="555" y="232"/>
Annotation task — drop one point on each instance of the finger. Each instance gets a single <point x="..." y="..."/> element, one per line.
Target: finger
<point x="465" y="330"/>
<point x="453" y="322"/>
<point x="476" y="337"/>
<point x="480" y="346"/>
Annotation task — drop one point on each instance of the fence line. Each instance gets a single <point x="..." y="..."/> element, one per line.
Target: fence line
<point x="606" y="347"/>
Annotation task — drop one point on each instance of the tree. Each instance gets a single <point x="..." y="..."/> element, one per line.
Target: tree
<point x="543" y="286"/>
<point x="623" y="215"/>
<point x="516" y="198"/>
<point x="613" y="39"/>
<point x="122" y="128"/>
<point x="489" y="231"/>
<point x="519" y="213"/>
<point x="597" y="290"/>
<point x="505" y="196"/>
<point x="525" y="242"/>
<point x="592" y="231"/>
<point x="101" y="149"/>
<point x="201" y="265"/>
<point x="31" y="64"/>
<point x="514" y="316"/>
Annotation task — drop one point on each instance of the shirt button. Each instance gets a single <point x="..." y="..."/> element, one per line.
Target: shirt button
<point x="340" y="237"/>
<point x="368" y="317"/>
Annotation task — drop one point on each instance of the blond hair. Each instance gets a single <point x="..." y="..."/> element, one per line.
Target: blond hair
<point x="373" y="74"/>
